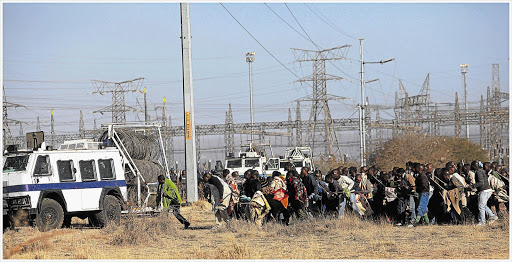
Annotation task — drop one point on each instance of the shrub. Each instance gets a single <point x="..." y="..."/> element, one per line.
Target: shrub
<point x="425" y="149"/>
<point x="327" y="164"/>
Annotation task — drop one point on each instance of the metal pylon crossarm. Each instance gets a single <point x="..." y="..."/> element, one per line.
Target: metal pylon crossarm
<point x="118" y="89"/>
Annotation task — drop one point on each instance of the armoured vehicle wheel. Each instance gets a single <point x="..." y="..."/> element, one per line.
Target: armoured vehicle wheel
<point x="111" y="212"/>
<point x="50" y="216"/>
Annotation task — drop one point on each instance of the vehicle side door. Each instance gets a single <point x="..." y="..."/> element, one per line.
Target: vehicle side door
<point x="43" y="171"/>
<point x="70" y="186"/>
<point x="88" y="174"/>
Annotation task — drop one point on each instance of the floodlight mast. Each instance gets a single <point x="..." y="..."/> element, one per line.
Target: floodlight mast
<point x="249" y="58"/>
<point x="464" y="70"/>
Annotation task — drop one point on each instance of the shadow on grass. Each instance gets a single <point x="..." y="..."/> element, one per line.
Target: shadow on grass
<point x="82" y="226"/>
<point x="200" y="227"/>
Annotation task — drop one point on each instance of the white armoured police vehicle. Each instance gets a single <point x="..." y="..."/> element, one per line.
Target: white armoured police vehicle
<point x="49" y="187"/>
<point x="297" y="157"/>
<point x="251" y="156"/>
<point x="255" y="156"/>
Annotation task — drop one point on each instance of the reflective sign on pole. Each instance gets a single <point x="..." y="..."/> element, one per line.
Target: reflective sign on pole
<point x="188" y="130"/>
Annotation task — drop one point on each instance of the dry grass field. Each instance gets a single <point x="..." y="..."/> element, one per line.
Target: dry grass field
<point x="164" y="238"/>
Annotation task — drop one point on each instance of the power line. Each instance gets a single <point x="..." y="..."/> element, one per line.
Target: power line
<point x="288" y="23"/>
<point x="259" y="41"/>
<point x="260" y="71"/>
<point x="318" y="46"/>
<point x="119" y="60"/>
<point x="309" y="37"/>
<point x="45" y="81"/>
<point x="332" y="25"/>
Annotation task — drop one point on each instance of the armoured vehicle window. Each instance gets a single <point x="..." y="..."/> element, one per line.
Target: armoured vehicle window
<point x="297" y="163"/>
<point x="87" y="170"/>
<point x="16" y="163"/>
<point x="42" y="166"/>
<point x="252" y="162"/>
<point x="272" y="163"/>
<point x="234" y="163"/>
<point x="65" y="170"/>
<point x="105" y="168"/>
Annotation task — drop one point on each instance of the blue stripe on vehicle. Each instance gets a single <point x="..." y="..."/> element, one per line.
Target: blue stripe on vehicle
<point x="64" y="185"/>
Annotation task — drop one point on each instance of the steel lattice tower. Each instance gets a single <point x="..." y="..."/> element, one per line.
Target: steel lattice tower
<point x="298" y="135"/>
<point x="457" y="116"/>
<point x="7" y="129"/>
<point x="198" y="146"/>
<point x="226" y="136"/>
<point x="290" y="129"/>
<point x="81" y="126"/>
<point x="166" y="124"/>
<point x="171" y="142"/>
<point x="423" y="105"/>
<point x="414" y="112"/>
<point x="490" y="131"/>
<point x="229" y="134"/>
<point x="6" y="121"/>
<point x="437" y="124"/>
<point x="367" y="115"/>
<point x="402" y="106"/>
<point x="38" y="125"/>
<point x="21" y="130"/>
<point x="483" y="129"/>
<point x="320" y="113"/>
<point x="379" y="135"/>
<point x="118" y="107"/>
<point x="52" y="129"/>
<point x="396" y="121"/>
<point x="496" y="143"/>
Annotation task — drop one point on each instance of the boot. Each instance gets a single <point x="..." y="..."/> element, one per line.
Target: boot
<point x="418" y="218"/>
<point x="425" y="217"/>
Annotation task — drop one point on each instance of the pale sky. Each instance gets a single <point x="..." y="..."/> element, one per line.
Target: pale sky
<point x="52" y="51"/>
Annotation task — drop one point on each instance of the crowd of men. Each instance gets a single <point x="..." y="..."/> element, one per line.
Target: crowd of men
<point x="418" y="194"/>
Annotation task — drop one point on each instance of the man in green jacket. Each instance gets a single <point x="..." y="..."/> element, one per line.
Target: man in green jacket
<point x="168" y="194"/>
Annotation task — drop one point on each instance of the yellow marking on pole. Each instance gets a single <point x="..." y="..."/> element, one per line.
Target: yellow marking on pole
<point x="164" y="99"/>
<point x="52" y="112"/>
<point x="188" y="128"/>
<point x="144" y="90"/>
